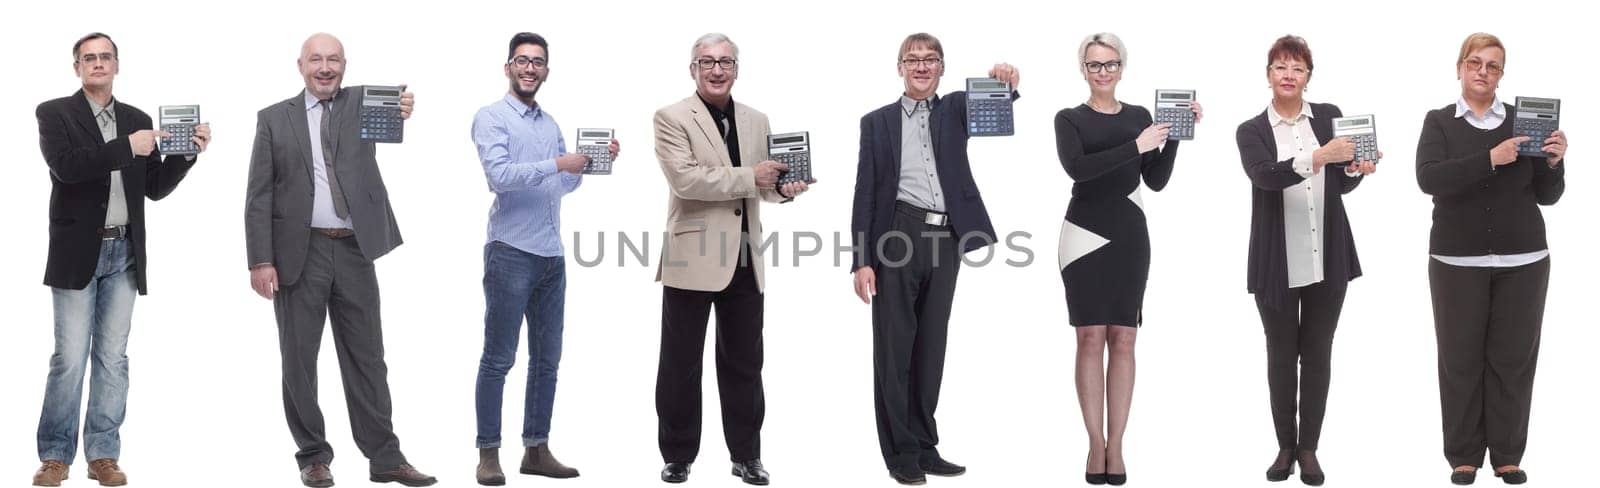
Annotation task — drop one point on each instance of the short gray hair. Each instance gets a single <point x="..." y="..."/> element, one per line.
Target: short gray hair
<point x="711" y="39"/>
<point x="1106" y="39"/>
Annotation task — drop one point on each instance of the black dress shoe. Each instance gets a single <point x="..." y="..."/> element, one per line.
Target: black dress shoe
<point x="1094" y="478"/>
<point x="1513" y="477"/>
<point x="1116" y="479"/>
<point x="1310" y="470"/>
<point x="675" y="473"/>
<point x="1460" y="477"/>
<point x="1281" y="467"/>
<point x="939" y="467"/>
<point x="751" y="472"/>
<point x="908" y="476"/>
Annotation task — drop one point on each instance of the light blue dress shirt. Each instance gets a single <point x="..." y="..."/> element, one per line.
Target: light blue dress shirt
<point x="518" y="146"/>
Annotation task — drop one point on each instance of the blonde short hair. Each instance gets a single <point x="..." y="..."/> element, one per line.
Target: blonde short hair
<point x="1478" y="41"/>
<point x="1106" y="39"/>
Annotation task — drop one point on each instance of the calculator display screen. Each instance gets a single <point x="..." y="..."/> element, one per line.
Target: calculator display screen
<point x="1539" y="105"/>
<point x="180" y="111"/>
<point x="1174" y="96"/>
<point x="788" y="140"/>
<point x="1352" y="123"/>
<point x="384" y="93"/>
<point x="595" y="134"/>
<point x="988" y="85"/>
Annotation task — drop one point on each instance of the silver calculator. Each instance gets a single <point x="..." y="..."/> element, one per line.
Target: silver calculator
<point x="1362" y="131"/>
<point x="380" y="114"/>
<point x="596" y="144"/>
<point x="1173" y="107"/>
<point x="793" y="150"/>
<point x="988" y="107"/>
<point x="1536" y="118"/>
<point x="179" y="121"/>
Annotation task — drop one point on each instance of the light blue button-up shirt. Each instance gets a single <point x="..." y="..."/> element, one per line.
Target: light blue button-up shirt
<point x="518" y="146"/>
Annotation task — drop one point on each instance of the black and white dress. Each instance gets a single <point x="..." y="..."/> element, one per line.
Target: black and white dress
<point x="1105" y="246"/>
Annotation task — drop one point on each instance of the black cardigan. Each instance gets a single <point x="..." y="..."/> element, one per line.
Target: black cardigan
<point x="1268" y="271"/>
<point x="1480" y="209"/>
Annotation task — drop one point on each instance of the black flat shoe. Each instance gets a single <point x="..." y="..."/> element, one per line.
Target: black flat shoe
<point x="939" y="467"/>
<point x="675" y="473"/>
<point x="1116" y="479"/>
<point x="751" y="472"/>
<point x="908" y="476"/>
<point x="1095" y="478"/>
<point x="1513" y="477"/>
<point x="1459" y="477"/>
<point x="1286" y="459"/>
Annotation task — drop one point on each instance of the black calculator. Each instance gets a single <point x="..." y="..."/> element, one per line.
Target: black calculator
<point x="1362" y="131"/>
<point x="1173" y="107"/>
<point x="380" y="115"/>
<point x="1536" y="118"/>
<point x="179" y="121"/>
<point x="988" y="107"/>
<point x="596" y="144"/>
<point x="793" y="150"/>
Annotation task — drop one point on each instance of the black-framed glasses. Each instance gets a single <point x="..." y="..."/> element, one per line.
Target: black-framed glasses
<point x="1096" y="66"/>
<point x="914" y="63"/>
<point x="727" y="64"/>
<point x="91" y="57"/>
<point x="524" y="61"/>
<point x="1475" y="64"/>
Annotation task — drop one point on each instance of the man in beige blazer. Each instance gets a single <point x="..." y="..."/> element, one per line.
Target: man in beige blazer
<point x="713" y="152"/>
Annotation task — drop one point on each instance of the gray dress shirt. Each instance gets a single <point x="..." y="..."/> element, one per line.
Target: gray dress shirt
<point x="919" y="176"/>
<point x="117" y="201"/>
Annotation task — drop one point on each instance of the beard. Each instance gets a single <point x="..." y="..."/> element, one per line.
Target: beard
<point x="516" y="87"/>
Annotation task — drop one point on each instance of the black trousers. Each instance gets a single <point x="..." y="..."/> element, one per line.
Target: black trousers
<point x="1487" y="322"/>
<point x="739" y="358"/>
<point x="1299" y="356"/>
<point x="910" y="321"/>
<point x="340" y="282"/>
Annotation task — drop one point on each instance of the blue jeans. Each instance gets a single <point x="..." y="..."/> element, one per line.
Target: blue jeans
<point x="518" y="284"/>
<point x="91" y="325"/>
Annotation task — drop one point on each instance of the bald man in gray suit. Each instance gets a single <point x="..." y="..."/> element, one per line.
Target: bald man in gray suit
<point x="316" y="217"/>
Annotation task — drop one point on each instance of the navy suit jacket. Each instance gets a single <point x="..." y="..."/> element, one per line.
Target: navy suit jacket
<point x="81" y="162"/>
<point x="878" y="177"/>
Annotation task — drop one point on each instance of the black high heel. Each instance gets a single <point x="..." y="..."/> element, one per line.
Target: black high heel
<point x="1512" y="477"/>
<point x="1286" y="459"/>
<point x="1311" y="475"/>
<point x="1095" y="478"/>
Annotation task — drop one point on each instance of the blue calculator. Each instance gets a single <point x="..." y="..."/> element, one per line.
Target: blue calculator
<point x="380" y="115"/>
<point x="988" y="108"/>
<point x="1536" y="118"/>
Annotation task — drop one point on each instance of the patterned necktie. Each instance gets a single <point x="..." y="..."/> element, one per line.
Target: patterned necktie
<point x="340" y="209"/>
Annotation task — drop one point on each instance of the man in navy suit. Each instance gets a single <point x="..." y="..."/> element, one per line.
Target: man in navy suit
<point x="104" y="161"/>
<point x="909" y="234"/>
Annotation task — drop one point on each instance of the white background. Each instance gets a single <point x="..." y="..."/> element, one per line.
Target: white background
<point x="205" y="410"/>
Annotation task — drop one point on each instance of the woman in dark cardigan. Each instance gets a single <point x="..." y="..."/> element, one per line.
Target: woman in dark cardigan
<point x="1489" y="266"/>
<point x="1301" y="250"/>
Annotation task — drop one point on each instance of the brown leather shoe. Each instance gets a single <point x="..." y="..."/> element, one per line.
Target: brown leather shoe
<point x="107" y="472"/>
<point x="316" y="476"/>
<point x="489" y="473"/>
<point x="539" y="461"/>
<point x="405" y="475"/>
<point x="51" y="473"/>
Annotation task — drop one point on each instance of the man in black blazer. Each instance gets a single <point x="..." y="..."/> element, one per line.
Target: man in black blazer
<point x="909" y="235"/>
<point x="316" y="217"/>
<point x="104" y="161"/>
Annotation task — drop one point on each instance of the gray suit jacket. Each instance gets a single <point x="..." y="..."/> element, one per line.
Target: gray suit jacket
<point x="277" y="209"/>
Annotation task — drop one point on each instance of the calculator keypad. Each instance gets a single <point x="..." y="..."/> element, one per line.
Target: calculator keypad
<point x="1366" y="146"/>
<point x="1537" y="130"/>
<point x="181" y="140"/>
<point x="381" y="124"/>
<point x="989" y="117"/>
<point x="1182" y="121"/>
<point x="799" y="164"/>
<point x="599" y="159"/>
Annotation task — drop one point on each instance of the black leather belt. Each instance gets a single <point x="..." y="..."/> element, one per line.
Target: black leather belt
<point x="113" y="232"/>
<point x="929" y="217"/>
<point x="334" y="233"/>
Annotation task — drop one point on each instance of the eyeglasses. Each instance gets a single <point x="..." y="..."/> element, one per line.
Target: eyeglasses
<point x="1280" y="70"/>
<point x="524" y="61"/>
<point x="727" y="64"/>
<point x="103" y="57"/>
<point x="914" y="63"/>
<point x="1475" y="64"/>
<point x="1096" y="66"/>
